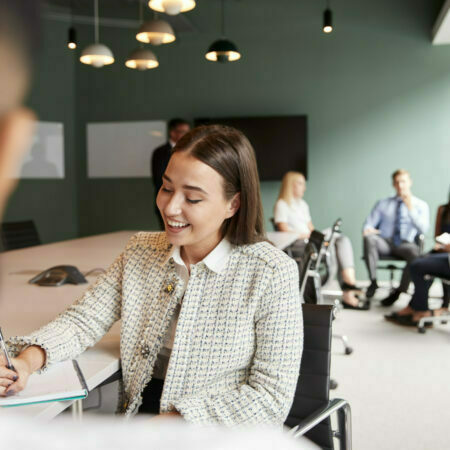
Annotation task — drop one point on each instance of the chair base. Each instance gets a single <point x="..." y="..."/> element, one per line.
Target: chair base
<point x="442" y="319"/>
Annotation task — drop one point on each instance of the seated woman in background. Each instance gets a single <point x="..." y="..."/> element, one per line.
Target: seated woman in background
<point x="291" y="213"/>
<point x="435" y="263"/>
<point x="209" y="293"/>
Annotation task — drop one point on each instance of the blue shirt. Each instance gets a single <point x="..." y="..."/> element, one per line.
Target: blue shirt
<point x="412" y="223"/>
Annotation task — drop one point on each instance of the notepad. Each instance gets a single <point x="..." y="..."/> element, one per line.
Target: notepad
<point x="443" y="239"/>
<point x="62" y="381"/>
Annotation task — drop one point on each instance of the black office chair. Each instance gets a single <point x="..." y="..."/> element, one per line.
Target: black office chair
<point x="392" y="262"/>
<point x="311" y="411"/>
<point x="314" y="273"/>
<point x="17" y="235"/>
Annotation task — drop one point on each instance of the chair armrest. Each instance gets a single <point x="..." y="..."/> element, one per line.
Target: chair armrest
<point x="420" y="240"/>
<point x="344" y="421"/>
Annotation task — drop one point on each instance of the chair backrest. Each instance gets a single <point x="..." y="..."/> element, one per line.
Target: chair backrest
<point x="274" y="225"/>
<point x="17" y="235"/>
<point x="318" y="239"/>
<point x="306" y="263"/>
<point x="313" y="386"/>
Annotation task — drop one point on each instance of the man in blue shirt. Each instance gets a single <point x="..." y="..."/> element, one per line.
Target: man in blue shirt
<point x="391" y="229"/>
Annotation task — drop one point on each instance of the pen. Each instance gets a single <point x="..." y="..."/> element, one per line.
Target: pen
<point x="5" y="351"/>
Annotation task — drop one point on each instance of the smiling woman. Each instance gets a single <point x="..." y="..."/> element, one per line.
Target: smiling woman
<point x="211" y="315"/>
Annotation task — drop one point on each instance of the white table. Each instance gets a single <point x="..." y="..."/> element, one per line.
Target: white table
<point x="25" y="307"/>
<point x="282" y="239"/>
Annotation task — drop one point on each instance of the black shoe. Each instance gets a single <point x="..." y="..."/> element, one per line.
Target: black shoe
<point x="391" y="298"/>
<point x="406" y="321"/>
<point x="371" y="289"/>
<point x="361" y="306"/>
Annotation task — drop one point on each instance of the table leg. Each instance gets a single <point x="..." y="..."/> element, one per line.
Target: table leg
<point x="77" y="410"/>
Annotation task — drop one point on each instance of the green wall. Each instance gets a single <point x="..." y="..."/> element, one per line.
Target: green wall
<point x="376" y="92"/>
<point x="52" y="204"/>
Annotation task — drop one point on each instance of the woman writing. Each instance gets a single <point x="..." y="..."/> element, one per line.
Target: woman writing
<point x="211" y="317"/>
<point x="291" y="213"/>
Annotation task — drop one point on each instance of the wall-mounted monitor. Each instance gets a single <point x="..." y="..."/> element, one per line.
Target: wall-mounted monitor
<point x="280" y="142"/>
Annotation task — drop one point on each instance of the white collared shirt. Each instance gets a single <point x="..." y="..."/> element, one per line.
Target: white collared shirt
<point x="216" y="261"/>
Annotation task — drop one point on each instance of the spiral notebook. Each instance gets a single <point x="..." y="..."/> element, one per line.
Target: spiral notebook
<point x="62" y="381"/>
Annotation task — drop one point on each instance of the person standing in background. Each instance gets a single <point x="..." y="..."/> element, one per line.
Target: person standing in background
<point x="161" y="155"/>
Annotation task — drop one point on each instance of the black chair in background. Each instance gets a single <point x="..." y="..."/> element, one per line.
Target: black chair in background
<point x="314" y="273"/>
<point x="311" y="411"/>
<point x="17" y="235"/>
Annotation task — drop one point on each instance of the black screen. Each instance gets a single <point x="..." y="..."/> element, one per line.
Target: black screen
<point x="280" y="143"/>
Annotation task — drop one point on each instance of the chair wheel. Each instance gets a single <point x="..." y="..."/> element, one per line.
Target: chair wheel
<point x="348" y="350"/>
<point x="421" y="330"/>
<point x="333" y="384"/>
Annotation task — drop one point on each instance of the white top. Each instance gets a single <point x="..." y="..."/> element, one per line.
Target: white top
<point x="216" y="260"/>
<point x="296" y="214"/>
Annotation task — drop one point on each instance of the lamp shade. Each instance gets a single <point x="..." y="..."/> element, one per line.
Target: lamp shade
<point x="171" y="7"/>
<point x="142" y="59"/>
<point x="155" y="32"/>
<point x="223" y="51"/>
<point x="97" y="55"/>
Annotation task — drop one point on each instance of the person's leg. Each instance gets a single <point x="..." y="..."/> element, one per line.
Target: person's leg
<point x="347" y="277"/>
<point x="431" y="264"/>
<point x="409" y="252"/>
<point x="434" y="265"/>
<point x="446" y="296"/>
<point x="374" y="247"/>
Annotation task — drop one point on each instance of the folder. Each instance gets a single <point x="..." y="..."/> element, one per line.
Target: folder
<point x="62" y="381"/>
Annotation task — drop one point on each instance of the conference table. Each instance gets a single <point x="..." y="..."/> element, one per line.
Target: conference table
<point x="25" y="307"/>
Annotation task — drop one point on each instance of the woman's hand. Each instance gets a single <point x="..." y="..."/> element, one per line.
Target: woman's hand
<point x="30" y="360"/>
<point x="12" y="382"/>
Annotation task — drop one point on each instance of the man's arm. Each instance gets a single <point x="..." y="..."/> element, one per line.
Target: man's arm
<point x="372" y="220"/>
<point x="420" y="215"/>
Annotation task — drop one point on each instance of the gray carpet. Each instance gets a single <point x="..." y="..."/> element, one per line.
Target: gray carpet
<point x="396" y="380"/>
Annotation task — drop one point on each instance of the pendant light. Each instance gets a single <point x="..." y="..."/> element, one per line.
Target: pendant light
<point x="156" y="32"/>
<point x="72" y="39"/>
<point x="328" y="19"/>
<point x="97" y="54"/>
<point x="223" y="50"/>
<point x="72" y="34"/>
<point x="141" y="58"/>
<point x="171" y="7"/>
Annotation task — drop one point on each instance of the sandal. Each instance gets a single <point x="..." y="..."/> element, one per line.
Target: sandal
<point x="361" y="306"/>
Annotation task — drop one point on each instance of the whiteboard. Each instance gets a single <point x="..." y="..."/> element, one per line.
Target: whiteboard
<point x="45" y="158"/>
<point x="123" y="149"/>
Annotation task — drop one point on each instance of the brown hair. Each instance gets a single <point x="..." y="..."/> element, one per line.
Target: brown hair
<point x="230" y="154"/>
<point x="400" y="172"/>
<point x="287" y="186"/>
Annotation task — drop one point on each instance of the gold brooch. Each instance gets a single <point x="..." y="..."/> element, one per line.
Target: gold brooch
<point x="169" y="288"/>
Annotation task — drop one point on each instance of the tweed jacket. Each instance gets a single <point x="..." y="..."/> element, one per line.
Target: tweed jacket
<point x="238" y="342"/>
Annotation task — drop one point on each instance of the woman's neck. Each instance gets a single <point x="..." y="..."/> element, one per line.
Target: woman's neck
<point x="192" y="254"/>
